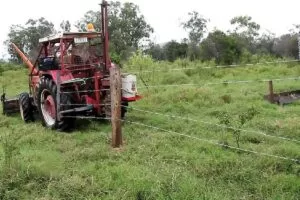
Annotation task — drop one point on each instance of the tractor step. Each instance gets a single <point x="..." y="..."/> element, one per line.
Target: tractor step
<point x="77" y="110"/>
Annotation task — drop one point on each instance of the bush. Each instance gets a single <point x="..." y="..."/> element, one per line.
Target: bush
<point x="5" y="66"/>
<point x="139" y="61"/>
<point x="175" y="78"/>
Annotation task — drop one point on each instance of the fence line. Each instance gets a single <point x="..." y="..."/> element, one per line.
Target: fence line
<point x="197" y="84"/>
<point x="214" y="67"/>
<point x="196" y="138"/>
<point x="223" y="82"/>
<point x="214" y="143"/>
<point x="218" y="125"/>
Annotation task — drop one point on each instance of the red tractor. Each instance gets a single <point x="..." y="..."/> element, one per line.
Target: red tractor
<point x="70" y="79"/>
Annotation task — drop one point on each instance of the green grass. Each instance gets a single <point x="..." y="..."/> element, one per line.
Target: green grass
<point x="36" y="163"/>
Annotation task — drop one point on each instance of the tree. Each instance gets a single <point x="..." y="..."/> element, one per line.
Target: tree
<point x="286" y="46"/>
<point x="196" y="26"/>
<point x="223" y="48"/>
<point x="265" y="44"/>
<point x="156" y="51"/>
<point x="295" y="30"/>
<point x="245" y="26"/>
<point x="174" y="50"/>
<point x="27" y="37"/>
<point x="65" y="26"/>
<point x="127" y="26"/>
<point x="246" y="31"/>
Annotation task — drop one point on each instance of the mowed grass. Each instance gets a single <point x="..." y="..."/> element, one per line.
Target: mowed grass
<point x="36" y="163"/>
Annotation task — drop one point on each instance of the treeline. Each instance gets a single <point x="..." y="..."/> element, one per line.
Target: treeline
<point x="129" y="32"/>
<point x="127" y="28"/>
<point x="241" y="44"/>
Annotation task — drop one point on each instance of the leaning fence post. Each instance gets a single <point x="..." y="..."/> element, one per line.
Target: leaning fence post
<point x="115" y="89"/>
<point x="271" y="91"/>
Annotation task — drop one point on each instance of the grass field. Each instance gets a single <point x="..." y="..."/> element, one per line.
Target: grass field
<point x="36" y="163"/>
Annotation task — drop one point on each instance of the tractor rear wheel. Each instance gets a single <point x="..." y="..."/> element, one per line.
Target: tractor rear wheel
<point x="47" y="106"/>
<point x="26" y="109"/>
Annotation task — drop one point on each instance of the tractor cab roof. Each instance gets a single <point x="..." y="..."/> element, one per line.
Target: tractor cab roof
<point x="55" y="38"/>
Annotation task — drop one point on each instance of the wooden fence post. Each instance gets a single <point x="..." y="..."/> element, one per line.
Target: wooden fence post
<point x="271" y="91"/>
<point x="115" y="89"/>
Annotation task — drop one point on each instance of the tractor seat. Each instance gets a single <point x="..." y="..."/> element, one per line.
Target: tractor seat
<point x="48" y="63"/>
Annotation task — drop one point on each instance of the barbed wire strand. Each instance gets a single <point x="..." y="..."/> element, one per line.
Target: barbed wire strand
<point x="214" y="67"/>
<point x="74" y="104"/>
<point x="84" y="91"/>
<point x="87" y="117"/>
<point x="193" y="137"/>
<point x="215" y="143"/>
<point x="213" y="124"/>
<point x="224" y="82"/>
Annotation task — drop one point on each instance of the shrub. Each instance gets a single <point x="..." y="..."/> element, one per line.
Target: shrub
<point x="139" y="61"/>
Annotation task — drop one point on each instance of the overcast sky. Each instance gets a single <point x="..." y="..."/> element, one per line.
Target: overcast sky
<point x="164" y="16"/>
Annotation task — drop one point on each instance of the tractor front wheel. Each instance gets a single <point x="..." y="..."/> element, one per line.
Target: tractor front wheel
<point x="26" y="109"/>
<point x="47" y="106"/>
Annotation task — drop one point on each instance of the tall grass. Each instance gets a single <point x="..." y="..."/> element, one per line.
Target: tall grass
<point x="155" y="164"/>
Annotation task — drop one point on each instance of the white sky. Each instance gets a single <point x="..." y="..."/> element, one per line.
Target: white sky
<point x="164" y="16"/>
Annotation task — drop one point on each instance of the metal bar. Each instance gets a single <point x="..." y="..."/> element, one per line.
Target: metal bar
<point x="104" y="19"/>
<point x="58" y="81"/>
<point x="97" y="90"/>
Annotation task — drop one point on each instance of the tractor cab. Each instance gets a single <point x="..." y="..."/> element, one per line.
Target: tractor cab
<point x="70" y="50"/>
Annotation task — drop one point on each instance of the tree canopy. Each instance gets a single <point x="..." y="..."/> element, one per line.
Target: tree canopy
<point x="127" y="26"/>
<point x="26" y="36"/>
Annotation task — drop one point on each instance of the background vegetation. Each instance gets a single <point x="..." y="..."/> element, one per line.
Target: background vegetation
<point x="129" y="32"/>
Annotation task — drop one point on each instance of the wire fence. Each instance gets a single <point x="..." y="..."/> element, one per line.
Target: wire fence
<point x="214" y="124"/>
<point x="222" y="83"/>
<point x="214" y="142"/>
<point x="214" y="67"/>
<point x="195" y="138"/>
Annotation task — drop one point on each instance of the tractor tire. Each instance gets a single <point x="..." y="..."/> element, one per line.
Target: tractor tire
<point x="47" y="105"/>
<point x="26" y="109"/>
